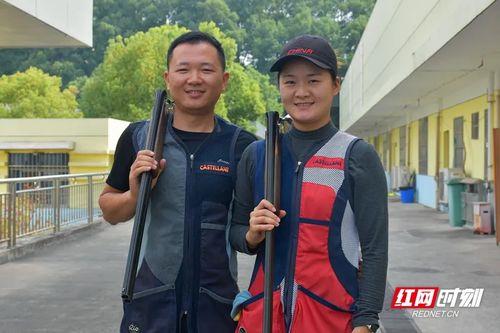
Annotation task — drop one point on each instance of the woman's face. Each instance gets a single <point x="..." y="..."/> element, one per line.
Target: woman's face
<point x="307" y="93"/>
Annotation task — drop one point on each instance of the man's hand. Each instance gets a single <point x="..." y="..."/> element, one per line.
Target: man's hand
<point x="361" y="329"/>
<point x="262" y="219"/>
<point x="144" y="162"/>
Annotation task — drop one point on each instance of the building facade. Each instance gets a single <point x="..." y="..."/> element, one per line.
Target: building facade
<point x="38" y="147"/>
<point x="424" y="88"/>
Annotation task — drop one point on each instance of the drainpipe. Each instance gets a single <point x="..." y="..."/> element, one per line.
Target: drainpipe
<point x="497" y="186"/>
<point x="491" y="107"/>
<point x="491" y="125"/>
<point x="407" y="129"/>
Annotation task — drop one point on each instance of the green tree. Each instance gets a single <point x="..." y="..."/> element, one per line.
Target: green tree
<point x="122" y="86"/>
<point x="243" y="97"/>
<point x="259" y="27"/>
<point x="271" y="23"/>
<point x="35" y="94"/>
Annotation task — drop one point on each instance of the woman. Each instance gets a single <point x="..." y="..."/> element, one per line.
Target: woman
<point x="334" y="201"/>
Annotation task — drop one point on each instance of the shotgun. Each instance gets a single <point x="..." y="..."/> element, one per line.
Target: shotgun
<point x="154" y="142"/>
<point x="275" y="127"/>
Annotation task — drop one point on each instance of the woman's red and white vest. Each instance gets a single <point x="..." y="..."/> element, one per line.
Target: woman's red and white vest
<point x="317" y="244"/>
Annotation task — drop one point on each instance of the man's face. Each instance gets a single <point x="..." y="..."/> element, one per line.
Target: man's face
<point x="195" y="78"/>
<point x="307" y="93"/>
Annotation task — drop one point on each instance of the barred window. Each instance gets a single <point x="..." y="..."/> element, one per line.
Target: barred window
<point x="37" y="164"/>
<point x="422" y="146"/>
<point x="402" y="146"/>
<point x="475" y="126"/>
<point x="458" y="142"/>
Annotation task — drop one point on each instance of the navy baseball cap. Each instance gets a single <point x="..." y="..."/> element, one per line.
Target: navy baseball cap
<point x="316" y="49"/>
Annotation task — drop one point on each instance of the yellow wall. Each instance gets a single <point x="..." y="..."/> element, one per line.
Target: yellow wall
<point x="84" y="163"/>
<point x="93" y="141"/>
<point x="89" y="135"/>
<point x="3" y="164"/>
<point x="438" y="123"/>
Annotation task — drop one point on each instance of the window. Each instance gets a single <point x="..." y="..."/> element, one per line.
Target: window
<point x="402" y="146"/>
<point x="422" y="146"/>
<point x="475" y="126"/>
<point x="37" y="164"/>
<point x="458" y="143"/>
<point x="385" y="149"/>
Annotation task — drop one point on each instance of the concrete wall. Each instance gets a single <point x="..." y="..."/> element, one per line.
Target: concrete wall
<point x="426" y="190"/>
<point x="46" y="23"/>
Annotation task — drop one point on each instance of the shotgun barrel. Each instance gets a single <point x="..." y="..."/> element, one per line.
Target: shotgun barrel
<point x="154" y="142"/>
<point x="272" y="178"/>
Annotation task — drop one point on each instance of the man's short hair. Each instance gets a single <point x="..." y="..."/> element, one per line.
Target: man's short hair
<point x="196" y="37"/>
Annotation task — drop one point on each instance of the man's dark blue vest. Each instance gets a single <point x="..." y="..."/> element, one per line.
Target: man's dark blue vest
<point x="187" y="269"/>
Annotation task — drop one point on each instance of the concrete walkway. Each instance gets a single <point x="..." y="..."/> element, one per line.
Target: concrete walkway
<point x="74" y="286"/>
<point x="425" y="251"/>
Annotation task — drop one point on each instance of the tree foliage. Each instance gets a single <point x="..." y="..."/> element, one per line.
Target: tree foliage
<point x="35" y="94"/>
<point x="259" y="27"/>
<point x="121" y="87"/>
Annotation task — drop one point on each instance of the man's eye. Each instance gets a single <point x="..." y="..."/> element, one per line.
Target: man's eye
<point x="207" y="70"/>
<point x="181" y="70"/>
<point x="288" y="82"/>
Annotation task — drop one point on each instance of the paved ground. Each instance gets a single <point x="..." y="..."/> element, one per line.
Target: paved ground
<point x="68" y="287"/>
<point x="425" y="251"/>
<point x="75" y="286"/>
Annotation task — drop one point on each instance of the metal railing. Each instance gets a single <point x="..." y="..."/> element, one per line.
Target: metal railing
<point x="33" y="205"/>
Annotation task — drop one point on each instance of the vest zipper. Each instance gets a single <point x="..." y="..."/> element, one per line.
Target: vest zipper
<point x="187" y="261"/>
<point x="299" y="163"/>
<point x="189" y="270"/>
<point x="288" y="297"/>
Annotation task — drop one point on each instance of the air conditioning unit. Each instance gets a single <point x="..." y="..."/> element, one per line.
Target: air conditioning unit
<point x="400" y="176"/>
<point x="445" y="175"/>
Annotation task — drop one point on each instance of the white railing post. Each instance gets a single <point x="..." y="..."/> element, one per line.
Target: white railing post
<point x="90" y="201"/>
<point x="57" y="205"/>
<point x="12" y="215"/>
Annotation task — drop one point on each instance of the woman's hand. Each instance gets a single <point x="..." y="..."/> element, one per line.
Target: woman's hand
<point x="263" y="218"/>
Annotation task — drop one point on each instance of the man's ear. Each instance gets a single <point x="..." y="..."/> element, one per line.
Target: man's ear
<point x="165" y="78"/>
<point x="225" y="80"/>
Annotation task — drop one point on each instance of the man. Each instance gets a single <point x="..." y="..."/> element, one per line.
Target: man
<point x="186" y="279"/>
<point x="333" y="200"/>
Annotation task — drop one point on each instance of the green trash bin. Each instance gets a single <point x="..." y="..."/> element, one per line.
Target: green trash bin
<point x="455" y="188"/>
